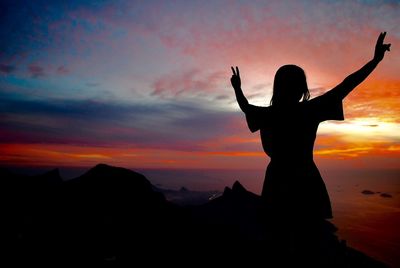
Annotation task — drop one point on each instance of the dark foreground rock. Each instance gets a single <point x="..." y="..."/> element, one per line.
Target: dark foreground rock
<point x="112" y="214"/>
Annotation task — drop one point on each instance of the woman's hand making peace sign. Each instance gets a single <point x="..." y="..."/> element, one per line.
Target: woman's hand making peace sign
<point x="235" y="79"/>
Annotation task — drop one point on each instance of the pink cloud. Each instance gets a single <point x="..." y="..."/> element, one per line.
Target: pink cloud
<point x="188" y="82"/>
<point x="327" y="39"/>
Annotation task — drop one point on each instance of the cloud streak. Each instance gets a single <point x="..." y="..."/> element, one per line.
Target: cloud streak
<point x="36" y="71"/>
<point x="84" y="122"/>
<point x="7" y="69"/>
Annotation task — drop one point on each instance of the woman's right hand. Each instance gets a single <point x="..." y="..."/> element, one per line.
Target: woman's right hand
<point x="235" y="79"/>
<point x="380" y="47"/>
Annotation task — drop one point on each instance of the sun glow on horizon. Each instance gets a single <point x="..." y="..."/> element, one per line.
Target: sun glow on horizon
<point x="364" y="129"/>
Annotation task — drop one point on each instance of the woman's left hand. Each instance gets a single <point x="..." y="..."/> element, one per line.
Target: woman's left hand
<point x="235" y="79"/>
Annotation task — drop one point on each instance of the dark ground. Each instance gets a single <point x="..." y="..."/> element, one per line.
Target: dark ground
<point x="112" y="215"/>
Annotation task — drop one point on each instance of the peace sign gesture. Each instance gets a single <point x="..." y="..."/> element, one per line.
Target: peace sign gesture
<point x="380" y="47"/>
<point x="235" y="79"/>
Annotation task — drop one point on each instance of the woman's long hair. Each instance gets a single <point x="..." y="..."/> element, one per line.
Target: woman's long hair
<point x="290" y="85"/>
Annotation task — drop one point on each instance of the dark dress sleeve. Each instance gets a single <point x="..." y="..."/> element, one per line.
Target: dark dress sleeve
<point x="327" y="107"/>
<point x="257" y="117"/>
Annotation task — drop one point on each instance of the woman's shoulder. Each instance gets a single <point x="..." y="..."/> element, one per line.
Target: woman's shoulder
<point x="325" y="107"/>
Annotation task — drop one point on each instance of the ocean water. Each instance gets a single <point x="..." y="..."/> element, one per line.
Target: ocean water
<point x="368" y="222"/>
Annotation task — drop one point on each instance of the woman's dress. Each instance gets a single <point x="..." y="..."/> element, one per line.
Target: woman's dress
<point x="293" y="186"/>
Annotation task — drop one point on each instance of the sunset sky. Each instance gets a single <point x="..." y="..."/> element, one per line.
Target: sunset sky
<point x="146" y="83"/>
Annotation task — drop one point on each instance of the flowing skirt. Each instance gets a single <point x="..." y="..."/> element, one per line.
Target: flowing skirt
<point x="295" y="191"/>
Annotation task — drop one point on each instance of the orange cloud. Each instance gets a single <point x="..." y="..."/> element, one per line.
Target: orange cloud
<point x="336" y="147"/>
<point x="375" y="98"/>
<point x="79" y="156"/>
<point x="241" y="154"/>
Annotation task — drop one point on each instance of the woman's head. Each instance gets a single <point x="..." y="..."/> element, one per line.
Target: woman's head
<point x="290" y="86"/>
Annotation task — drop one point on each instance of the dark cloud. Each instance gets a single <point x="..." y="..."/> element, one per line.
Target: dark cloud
<point x="202" y="123"/>
<point x="223" y="97"/>
<point x="256" y="95"/>
<point x="36" y="71"/>
<point x="62" y="70"/>
<point x="178" y="126"/>
<point x="7" y="69"/>
<point x="92" y="84"/>
<point x="85" y="109"/>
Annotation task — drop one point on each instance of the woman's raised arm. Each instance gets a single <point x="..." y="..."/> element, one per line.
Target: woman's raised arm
<point x="353" y="80"/>
<point x="236" y="84"/>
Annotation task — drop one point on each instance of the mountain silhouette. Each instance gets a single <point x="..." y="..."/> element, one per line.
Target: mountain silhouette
<point x="232" y="215"/>
<point x="49" y="178"/>
<point x="109" y="213"/>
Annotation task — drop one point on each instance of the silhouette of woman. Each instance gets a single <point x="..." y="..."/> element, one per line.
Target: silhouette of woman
<point x="293" y="186"/>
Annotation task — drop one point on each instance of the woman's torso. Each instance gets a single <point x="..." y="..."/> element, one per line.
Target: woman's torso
<point x="290" y="134"/>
